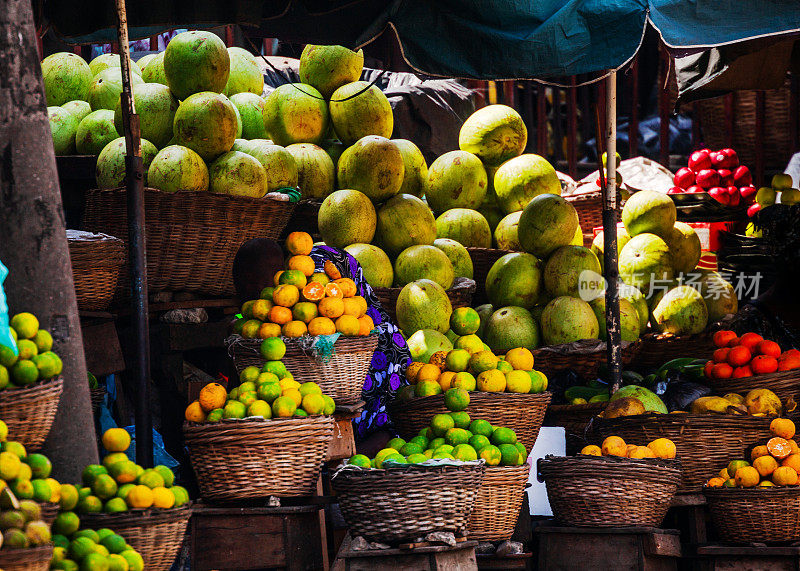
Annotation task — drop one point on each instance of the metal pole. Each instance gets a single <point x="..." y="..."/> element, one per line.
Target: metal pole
<point x="614" y="338"/>
<point x="134" y="183"/>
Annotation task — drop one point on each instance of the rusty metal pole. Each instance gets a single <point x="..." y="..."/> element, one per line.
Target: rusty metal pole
<point x="134" y="183"/>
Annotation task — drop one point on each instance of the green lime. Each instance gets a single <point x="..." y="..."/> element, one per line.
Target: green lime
<point x="416" y="458"/>
<point x="7" y="356"/>
<point x="266" y="378"/>
<point x="277" y="368"/>
<point x="435" y="443"/>
<point x="181" y="495"/>
<point x="521" y="447"/>
<point x="410" y="448"/>
<point x="444" y="448"/>
<point x="464" y="321"/>
<point x="114" y="543"/>
<point x="42" y="492"/>
<point x="135" y="561"/>
<point x="24" y="372"/>
<point x="115" y="505"/>
<point x="491" y="454"/>
<point x="359" y="460"/>
<point x="272" y="349"/>
<point x="461" y="419"/>
<point x="482" y="427"/>
<point x="66" y="523"/>
<point x="91" y="472"/>
<point x="420" y="441"/>
<point x="84" y="492"/>
<point x="479" y="442"/>
<point x="25" y="324"/>
<point x="457" y="360"/>
<point x="151" y="478"/>
<point x="443" y="456"/>
<point x="504" y="366"/>
<point x="40" y="465"/>
<point x="247" y="397"/>
<point x="90" y="533"/>
<point x="259" y="408"/>
<point x="267" y="292"/>
<point x="427" y="433"/>
<point x="300" y="412"/>
<point x="23" y="489"/>
<point x="4" y="377"/>
<point x="117" y="563"/>
<point x="43" y="340"/>
<point x="234" y="409"/>
<point x="396" y="443"/>
<point x="441" y="423"/>
<point x="60" y="541"/>
<point x="104" y="532"/>
<point x="503" y="435"/>
<point x="80" y="547"/>
<point x="395" y="458"/>
<point x="122" y="491"/>
<point x="465" y="452"/>
<point x="456" y="399"/>
<point x="249" y="374"/>
<point x="57" y="366"/>
<point x="215" y="415"/>
<point x="90" y="504"/>
<point x="509" y="455"/>
<point x="94" y="562"/>
<point x="456" y="436"/>
<point x="269" y="391"/>
<point x="465" y="380"/>
<point x="26" y="349"/>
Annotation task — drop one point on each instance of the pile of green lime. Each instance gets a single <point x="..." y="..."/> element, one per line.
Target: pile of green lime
<point x="34" y="360"/>
<point x="92" y="549"/>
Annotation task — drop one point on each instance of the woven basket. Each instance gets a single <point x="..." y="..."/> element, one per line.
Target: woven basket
<point x="191" y="237"/>
<point x="482" y="261"/>
<point x="397" y="504"/>
<point x="583" y="357"/>
<point x="607" y="491"/>
<point x="341" y="377"/>
<point x="499" y="502"/>
<point x="31" y="559"/>
<point x="785" y="384"/>
<point x="705" y="442"/>
<point x="255" y="458"/>
<point x="49" y="512"/>
<point x="460" y="295"/>
<point x="575" y="419"/>
<point x="747" y="515"/>
<point x="656" y="349"/>
<point x="97" y="395"/>
<point x="304" y="219"/>
<point x="523" y="413"/>
<point x="156" y="534"/>
<point x="30" y="412"/>
<point x="97" y="260"/>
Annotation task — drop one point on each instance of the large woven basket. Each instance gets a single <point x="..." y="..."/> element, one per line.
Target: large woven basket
<point x="747" y="515"/>
<point x="406" y="503"/>
<point x="583" y="357"/>
<point x="156" y="534"/>
<point x="705" y="442"/>
<point x="49" y="512"/>
<point x="499" y="502"/>
<point x="523" y="413"/>
<point x="460" y="295"/>
<point x="341" y="377"/>
<point x="97" y="260"/>
<point x="785" y="384"/>
<point x="255" y="458"/>
<point x="575" y="419"/>
<point x="656" y="349"/>
<point x="482" y="261"/>
<point x="31" y="559"/>
<point x="607" y="491"/>
<point x="30" y="412"/>
<point x="191" y="237"/>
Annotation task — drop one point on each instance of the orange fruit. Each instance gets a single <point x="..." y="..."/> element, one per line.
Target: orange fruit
<point x="793" y="446"/>
<point x="299" y="243"/>
<point x="365" y="325"/>
<point x="779" y="447"/>
<point x="305" y="311"/>
<point x="614" y="446"/>
<point x="788" y="362"/>
<point x="352" y="307"/>
<point x="663" y="448"/>
<point x="332" y="271"/>
<point x="750" y="340"/>
<point x="722" y="371"/>
<point x="277" y="279"/>
<point x="723" y="337"/>
<point x="321" y="326"/>
<point x="793" y="461"/>
<point x="119" y="439"/>
<point x="591" y="450"/>
<point x="347" y="325"/>
<point x="446" y="380"/>
<point x="724" y="474"/>
<point x="302" y="263"/>
<point x="428" y="372"/>
<point x="641" y="452"/>
<point x="293" y="394"/>
<point x="766" y="465"/>
<point x="764" y="365"/>
<point x="759" y="451"/>
<point x="631" y="447"/>
<point x="260" y="309"/>
<point x="267" y="330"/>
<point x="747" y="477"/>
<point x="333" y="290"/>
<point x="782" y="427"/>
<point x="769" y="348"/>
<point x="739" y="356"/>
<point x="348" y="286"/>
<point x="715" y="483"/>
<point x="412" y="370"/>
<point x="194" y="412"/>
<point x="313" y="291"/>
<point x="784" y="476"/>
<point x="294" y="329"/>
<point x="280" y="315"/>
<point x="331" y="307"/>
<point x="212" y="396"/>
<point x="286" y="295"/>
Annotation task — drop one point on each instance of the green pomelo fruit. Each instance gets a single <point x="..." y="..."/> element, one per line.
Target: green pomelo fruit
<point x="375" y="264"/>
<point x="67" y="77"/>
<point x="518" y="180"/>
<point x="373" y="165"/>
<point x="648" y="211"/>
<point x="515" y="279"/>
<point x="78" y="108"/>
<point x="645" y="262"/>
<point x="684" y="247"/>
<point x="95" y="131"/>
<point x="422" y="261"/>
<point x="567" y="319"/>
<point x="719" y="295"/>
<point x="63" y="128"/>
<point x="425" y="342"/>
<point x="681" y="311"/>
<point x="177" y="168"/>
<point x="628" y="315"/>
<point x="466" y="226"/>
<point x="423" y="304"/>
<point x="144" y="60"/>
<point x="245" y="74"/>
<point x="359" y="109"/>
<point x="563" y="271"/>
<point x="547" y="222"/>
<point x="106" y="88"/>
<point x="511" y="327"/>
<point x="194" y="62"/>
<point x="206" y="123"/>
<point x="506" y="236"/>
<point x="110" y="169"/>
<point x="598" y="244"/>
<point x="495" y="133"/>
<point x="415" y="169"/>
<point x="650" y="400"/>
<point x="316" y="175"/>
<point x="156" y="107"/>
<point x="105" y="61"/>
<point x="637" y="299"/>
<point x="251" y="110"/>
<point x="347" y="217"/>
<point x="296" y="113"/>
<point x="404" y="220"/>
<point x="328" y="68"/>
<point x="154" y="72"/>
<point x="278" y="163"/>
<point x="237" y="174"/>
<point x="458" y="255"/>
<point x="456" y="180"/>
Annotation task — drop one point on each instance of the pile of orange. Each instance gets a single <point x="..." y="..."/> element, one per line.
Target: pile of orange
<point x="776" y="463"/>
<point x="739" y="357"/>
<point x="305" y="302"/>
<point x="615" y="446"/>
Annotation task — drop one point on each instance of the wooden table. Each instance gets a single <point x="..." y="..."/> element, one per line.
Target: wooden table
<point x="427" y="558"/>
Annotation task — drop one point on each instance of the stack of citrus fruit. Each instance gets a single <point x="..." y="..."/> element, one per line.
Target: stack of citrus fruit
<point x="305" y="302"/>
<point x="27" y="476"/>
<point x="21" y="522"/>
<point x="90" y="549"/>
<point x="615" y="446"/>
<point x="119" y="484"/>
<point x="34" y="360"/>
<point x="776" y="463"/>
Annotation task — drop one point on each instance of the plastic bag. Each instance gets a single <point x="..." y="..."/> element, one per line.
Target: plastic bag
<point x="5" y="331"/>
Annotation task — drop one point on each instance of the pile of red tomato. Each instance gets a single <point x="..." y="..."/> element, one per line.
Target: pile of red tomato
<point x="737" y="357"/>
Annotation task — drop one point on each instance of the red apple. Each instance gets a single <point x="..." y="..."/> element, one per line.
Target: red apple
<point x="742" y="176"/>
<point x="700" y="160"/>
<point x="684" y="178"/>
<point x="748" y="192"/>
<point x="675" y="190"/>
<point x="732" y="158"/>
<point x="725" y="177"/>
<point x="694" y="189"/>
<point x="707" y="178"/>
<point x="733" y="195"/>
<point x="717" y="160"/>
<point x="755" y="207"/>
<point x="720" y="195"/>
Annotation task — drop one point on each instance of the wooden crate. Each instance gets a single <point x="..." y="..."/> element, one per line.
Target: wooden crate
<point x="413" y="558"/>
<point x="746" y="558"/>
<point x="343" y="444"/>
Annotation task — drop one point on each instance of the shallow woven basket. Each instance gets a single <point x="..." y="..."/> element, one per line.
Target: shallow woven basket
<point x="30" y="412"/>
<point x="237" y="459"/>
<point x="341" y="377"/>
<point x="96" y="266"/>
<point x="499" y="502"/>
<point x="156" y="534"/>
<point x="49" y="512"/>
<point x="482" y="261"/>
<point x="406" y="503"/>
<point x="747" y="515"/>
<point x="607" y="491"/>
<point x="460" y="295"/>
<point x="191" y="237"/>
<point x="30" y="559"/>
<point x="523" y="413"/>
<point x="705" y="442"/>
<point x="554" y="358"/>
<point x="785" y="384"/>
<point x="655" y="349"/>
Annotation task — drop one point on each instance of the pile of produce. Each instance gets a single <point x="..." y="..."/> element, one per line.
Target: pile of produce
<point x="776" y="463"/>
<point x="757" y="402"/>
<point x="93" y="549"/>
<point x="34" y="360"/>
<point x="749" y="355"/>
<point x="717" y="173"/>
<point x="780" y="189"/>
<point x="615" y="446"/>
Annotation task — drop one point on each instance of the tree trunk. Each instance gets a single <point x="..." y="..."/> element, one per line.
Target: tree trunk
<point x="33" y="241"/>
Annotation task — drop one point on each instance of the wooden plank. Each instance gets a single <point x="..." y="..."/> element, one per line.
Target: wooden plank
<point x="517" y="561"/>
<point x="251" y="542"/>
<point x="343" y="443"/>
<point x="352" y="409"/>
<point x="203" y="510"/>
<point x="662" y="544"/>
<point x="547" y="529"/>
<point x="346" y="552"/>
<point x="189" y="336"/>
<point x="102" y="348"/>
<point x="688" y="500"/>
<point x="747" y="550"/>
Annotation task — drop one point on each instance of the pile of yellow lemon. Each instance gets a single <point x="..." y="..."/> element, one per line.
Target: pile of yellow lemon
<point x="615" y="446"/>
<point x="34" y="359"/>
